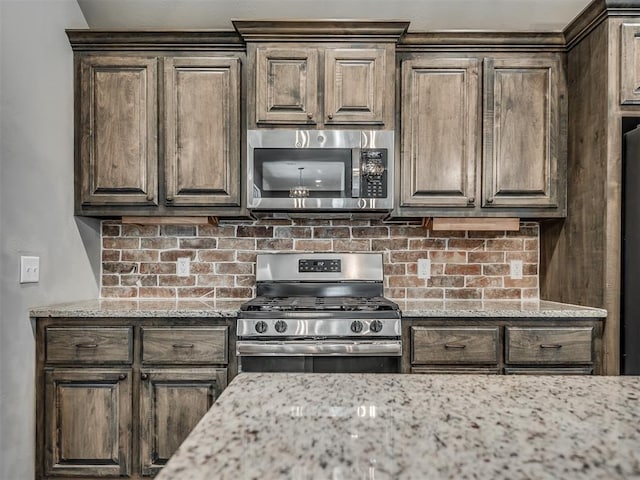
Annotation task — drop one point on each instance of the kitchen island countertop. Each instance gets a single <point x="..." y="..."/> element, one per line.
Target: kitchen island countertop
<point x="378" y="426"/>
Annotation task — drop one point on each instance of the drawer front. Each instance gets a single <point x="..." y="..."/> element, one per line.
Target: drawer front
<point x="89" y="345"/>
<point x="548" y="345"/>
<point x="454" y="345"/>
<point x="188" y="345"/>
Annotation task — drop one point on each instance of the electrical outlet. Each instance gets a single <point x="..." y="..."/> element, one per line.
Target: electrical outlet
<point x="424" y="268"/>
<point x="29" y="269"/>
<point x="184" y="267"/>
<point x="516" y="269"/>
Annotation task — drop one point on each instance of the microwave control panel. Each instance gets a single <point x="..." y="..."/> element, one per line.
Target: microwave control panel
<point x="373" y="173"/>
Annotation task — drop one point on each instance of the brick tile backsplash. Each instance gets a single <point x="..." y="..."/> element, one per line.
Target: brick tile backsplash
<point x="140" y="261"/>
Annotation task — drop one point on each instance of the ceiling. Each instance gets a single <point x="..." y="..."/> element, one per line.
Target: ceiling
<point x="505" y="15"/>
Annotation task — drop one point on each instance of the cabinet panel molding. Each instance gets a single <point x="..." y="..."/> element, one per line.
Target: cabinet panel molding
<point x="521" y="132"/>
<point x="202" y="130"/>
<point x="118" y="134"/>
<point x="630" y="64"/>
<point x="172" y="402"/>
<point x="441" y="132"/>
<point x="87" y="432"/>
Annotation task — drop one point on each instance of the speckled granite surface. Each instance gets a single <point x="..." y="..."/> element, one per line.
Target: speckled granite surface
<point x="343" y="426"/>
<point x="229" y="308"/>
<point x="106" y="308"/>
<point x="496" y="308"/>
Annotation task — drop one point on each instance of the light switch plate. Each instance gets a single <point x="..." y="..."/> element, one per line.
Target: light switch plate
<point x="29" y="269"/>
<point x="183" y="268"/>
<point x="516" y="269"/>
<point x="424" y="268"/>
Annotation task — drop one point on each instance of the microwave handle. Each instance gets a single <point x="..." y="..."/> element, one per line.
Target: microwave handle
<point x="355" y="172"/>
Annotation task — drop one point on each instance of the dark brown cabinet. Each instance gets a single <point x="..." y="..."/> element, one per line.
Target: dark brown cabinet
<point x="482" y="147"/>
<point x="510" y="346"/>
<point x="356" y="88"/>
<point x="117" y="131"/>
<point x="117" y="397"/>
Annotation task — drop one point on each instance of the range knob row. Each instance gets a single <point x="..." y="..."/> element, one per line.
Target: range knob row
<point x="261" y="326"/>
<point x="356" y="326"/>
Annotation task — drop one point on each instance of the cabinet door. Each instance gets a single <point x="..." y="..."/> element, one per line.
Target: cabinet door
<point x="202" y="108"/>
<point x="87" y="422"/>
<point x="118" y="131"/>
<point x="521" y="132"/>
<point x="630" y="64"/>
<point x="440" y="132"/>
<point x="354" y="86"/>
<point x="287" y="85"/>
<point x="172" y="401"/>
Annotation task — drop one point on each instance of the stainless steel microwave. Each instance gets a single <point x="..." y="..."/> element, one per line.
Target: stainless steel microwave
<point x="320" y="170"/>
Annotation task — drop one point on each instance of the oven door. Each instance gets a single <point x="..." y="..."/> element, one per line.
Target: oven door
<point x="325" y="356"/>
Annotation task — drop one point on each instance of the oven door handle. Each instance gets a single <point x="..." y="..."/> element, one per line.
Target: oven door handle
<point x="389" y="348"/>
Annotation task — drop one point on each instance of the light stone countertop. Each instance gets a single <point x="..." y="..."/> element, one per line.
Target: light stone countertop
<point x="110" y="308"/>
<point x="379" y="426"/>
<point x="229" y="308"/>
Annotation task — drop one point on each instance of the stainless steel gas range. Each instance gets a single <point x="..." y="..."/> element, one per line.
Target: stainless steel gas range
<point x="319" y="312"/>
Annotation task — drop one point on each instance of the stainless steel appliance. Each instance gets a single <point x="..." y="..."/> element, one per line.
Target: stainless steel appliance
<point x="320" y="170"/>
<point x="319" y="312"/>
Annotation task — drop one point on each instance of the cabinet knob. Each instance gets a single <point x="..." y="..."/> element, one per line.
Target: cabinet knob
<point x="330" y="116"/>
<point x="144" y="376"/>
<point x="310" y="115"/>
<point x="150" y="197"/>
<point x="490" y="200"/>
<point x="169" y="198"/>
<point x="471" y="200"/>
<point x="122" y="376"/>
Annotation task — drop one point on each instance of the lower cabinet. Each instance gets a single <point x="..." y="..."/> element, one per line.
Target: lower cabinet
<point x="116" y="398"/>
<point x="510" y="346"/>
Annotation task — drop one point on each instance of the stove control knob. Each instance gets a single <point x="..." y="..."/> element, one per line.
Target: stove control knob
<point x="356" y="326"/>
<point x="376" y="326"/>
<point x="261" y="326"/>
<point x="281" y="326"/>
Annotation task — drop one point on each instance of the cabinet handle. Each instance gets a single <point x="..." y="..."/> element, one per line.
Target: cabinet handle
<point x="490" y="200"/>
<point x="550" y="345"/>
<point x="144" y="376"/>
<point x="169" y="198"/>
<point x="471" y="200"/>
<point x="150" y="197"/>
<point x="454" y="345"/>
<point x="86" y="345"/>
<point x="122" y="376"/>
<point x="310" y="115"/>
<point x="330" y="116"/>
<point x="183" y="345"/>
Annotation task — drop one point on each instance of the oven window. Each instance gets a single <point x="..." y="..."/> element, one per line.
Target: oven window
<point x="317" y="364"/>
<point x="323" y="172"/>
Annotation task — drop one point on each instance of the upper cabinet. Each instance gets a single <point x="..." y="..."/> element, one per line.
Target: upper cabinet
<point x="482" y="136"/>
<point x="289" y="88"/>
<point x="157" y="133"/>
<point x="321" y="73"/>
<point x="630" y="63"/>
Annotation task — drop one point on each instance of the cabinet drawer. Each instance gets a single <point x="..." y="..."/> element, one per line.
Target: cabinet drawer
<point x="548" y="345"/>
<point x="454" y="345"/>
<point x="88" y="344"/>
<point x="188" y="345"/>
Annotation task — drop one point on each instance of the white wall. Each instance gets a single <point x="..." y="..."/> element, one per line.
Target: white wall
<point x="36" y="204"/>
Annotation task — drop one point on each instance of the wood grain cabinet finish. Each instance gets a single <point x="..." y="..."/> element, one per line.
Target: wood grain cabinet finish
<point x="287" y="85"/>
<point x="630" y="64"/>
<point x="96" y="345"/>
<point x="529" y="345"/>
<point x="440" y="132"/>
<point x="522" y="132"/>
<point x="117" y="131"/>
<point x="88" y="422"/>
<point x="115" y="397"/>
<point x="291" y="89"/>
<point x="451" y="345"/>
<point x="202" y="131"/>
<point x="192" y="345"/>
<point x="172" y="402"/>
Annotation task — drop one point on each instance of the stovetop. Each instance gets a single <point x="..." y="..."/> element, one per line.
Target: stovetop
<point x="313" y="304"/>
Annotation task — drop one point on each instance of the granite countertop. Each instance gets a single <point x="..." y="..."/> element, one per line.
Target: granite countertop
<point x="229" y="308"/>
<point x="107" y="307"/>
<point x="378" y="426"/>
